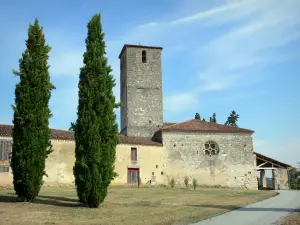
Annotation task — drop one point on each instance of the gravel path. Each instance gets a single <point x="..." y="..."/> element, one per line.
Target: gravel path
<point x="267" y="212"/>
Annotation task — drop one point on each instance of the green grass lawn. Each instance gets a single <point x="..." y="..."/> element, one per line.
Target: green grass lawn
<point x="126" y="206"/>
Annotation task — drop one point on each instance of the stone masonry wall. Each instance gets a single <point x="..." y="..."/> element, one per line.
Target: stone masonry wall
<point x="234" y="166"/>
<point x="142" y="113"/>
<point x="281" y="179"/>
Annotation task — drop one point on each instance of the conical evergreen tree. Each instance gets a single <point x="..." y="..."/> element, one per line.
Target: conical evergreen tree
<point x="31" y="133"/>
<point x="213" y="119"/>
<point x="96" y="128"/>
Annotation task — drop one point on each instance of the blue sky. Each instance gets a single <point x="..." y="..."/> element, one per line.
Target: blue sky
<point x="218" y="56"/>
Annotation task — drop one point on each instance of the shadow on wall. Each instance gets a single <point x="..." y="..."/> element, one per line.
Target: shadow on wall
<point x="45" y="200"/>
<point x="232" y="207"/>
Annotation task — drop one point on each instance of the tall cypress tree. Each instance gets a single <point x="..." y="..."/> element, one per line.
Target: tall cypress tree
<point x="96" y="128"/>
<point x="31" y="133"/>
<point x="213" y="119"/>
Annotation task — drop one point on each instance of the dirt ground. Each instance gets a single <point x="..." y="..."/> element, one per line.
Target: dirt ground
<point x="160" y="206"/>
<point x="293" y="219"/>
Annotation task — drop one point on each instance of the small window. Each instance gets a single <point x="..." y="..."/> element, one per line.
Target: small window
<point x="161" y="173"/>
<point x="5" y="149"/>
<point x="156" y="166"/>
<point x="211" y="149"/>
<point x="144" y="56"/>
<point x="152" y="173"/>
<point x="133" y="154"/>
<point x="4" y="169"/>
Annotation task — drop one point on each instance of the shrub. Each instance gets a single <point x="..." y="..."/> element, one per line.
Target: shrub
<point x="194" y="183"/>
<point x="186" y="181"/>
<point x="172" y="183"/>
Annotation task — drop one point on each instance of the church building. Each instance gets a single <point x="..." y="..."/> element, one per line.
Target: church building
<point x="151" y="151"/>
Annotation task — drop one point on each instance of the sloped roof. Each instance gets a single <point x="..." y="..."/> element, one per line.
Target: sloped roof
<point x="196" y="125"/>
<point x="6" y="131"/>
<point x="166" y="124"/>
<point x="271" y="160"/>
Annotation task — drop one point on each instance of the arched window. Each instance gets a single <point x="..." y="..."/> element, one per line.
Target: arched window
<point x="211" y="148"/>
<point x="144" y="56"/>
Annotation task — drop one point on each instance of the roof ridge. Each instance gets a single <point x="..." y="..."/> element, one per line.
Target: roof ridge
<point x="200" y="125"/>
<point x="176" y="124"/>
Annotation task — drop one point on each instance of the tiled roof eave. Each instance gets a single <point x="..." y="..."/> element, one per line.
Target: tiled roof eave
<point x="207" y="131"/>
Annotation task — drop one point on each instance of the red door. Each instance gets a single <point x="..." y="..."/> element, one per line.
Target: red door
<point x="133" y="175"/>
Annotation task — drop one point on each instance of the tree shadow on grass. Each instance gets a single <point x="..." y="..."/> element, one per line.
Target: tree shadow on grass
<point x="250" y="209"/>
<point x="45" y="200"/>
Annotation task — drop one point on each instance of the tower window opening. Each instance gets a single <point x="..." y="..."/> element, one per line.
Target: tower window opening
<point x="144" y="56"/>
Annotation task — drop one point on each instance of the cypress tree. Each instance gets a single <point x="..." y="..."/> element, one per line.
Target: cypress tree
<point x="31" y="133"/>
<point x="96" y="129"/>
<point x="213" y="119"/>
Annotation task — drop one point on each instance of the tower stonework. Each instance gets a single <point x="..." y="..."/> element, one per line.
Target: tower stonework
<point x="141" y="90"/>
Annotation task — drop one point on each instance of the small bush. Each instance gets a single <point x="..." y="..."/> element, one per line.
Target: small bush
<point x="172" y="183"/>
<point x="186" y="181"/>
<point x="194" y="183"/>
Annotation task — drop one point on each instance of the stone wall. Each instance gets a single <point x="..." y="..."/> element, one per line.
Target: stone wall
<point x="141" y="92"/>
<point x="281" y="179"/>
<point x="233" y="166"/>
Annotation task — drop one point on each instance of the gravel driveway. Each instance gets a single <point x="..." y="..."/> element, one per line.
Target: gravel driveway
<point x="267" y="212"/>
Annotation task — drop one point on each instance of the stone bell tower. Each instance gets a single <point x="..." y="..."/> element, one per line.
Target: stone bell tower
<point x="141" y="90"/>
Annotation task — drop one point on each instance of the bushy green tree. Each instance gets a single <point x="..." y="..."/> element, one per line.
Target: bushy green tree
<point x="294" y="173"/>
<point x="197" y="116"/>
<point x="232" y="119"/>
<point x="31" y="133"/>
<point x="213" y="119"/>
<point x="186" y="181"/>
<point x="96" y="128"/>
<point x="194" y="183"/>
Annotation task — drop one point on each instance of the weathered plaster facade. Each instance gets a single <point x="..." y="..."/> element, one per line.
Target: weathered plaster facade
<point x="59" y="164"/>
<point x="141" y="91"/>
<point x="233" y="166"/>
<point x="149" y="161"/>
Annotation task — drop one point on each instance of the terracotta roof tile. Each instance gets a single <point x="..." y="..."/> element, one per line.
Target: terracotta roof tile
<point x="137" y="141"/>
<point x="166" y="124"/>
<point x="6" y="131"/>
<point x="203" y="126"/>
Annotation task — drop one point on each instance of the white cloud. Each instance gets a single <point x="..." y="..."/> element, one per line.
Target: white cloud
<point x="250" y="45"/>
<point x="180" y="102"/>
<point x="227" y="12"/>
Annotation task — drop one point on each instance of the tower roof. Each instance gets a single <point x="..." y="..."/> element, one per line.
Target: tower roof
<point x="138" y="46"/>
